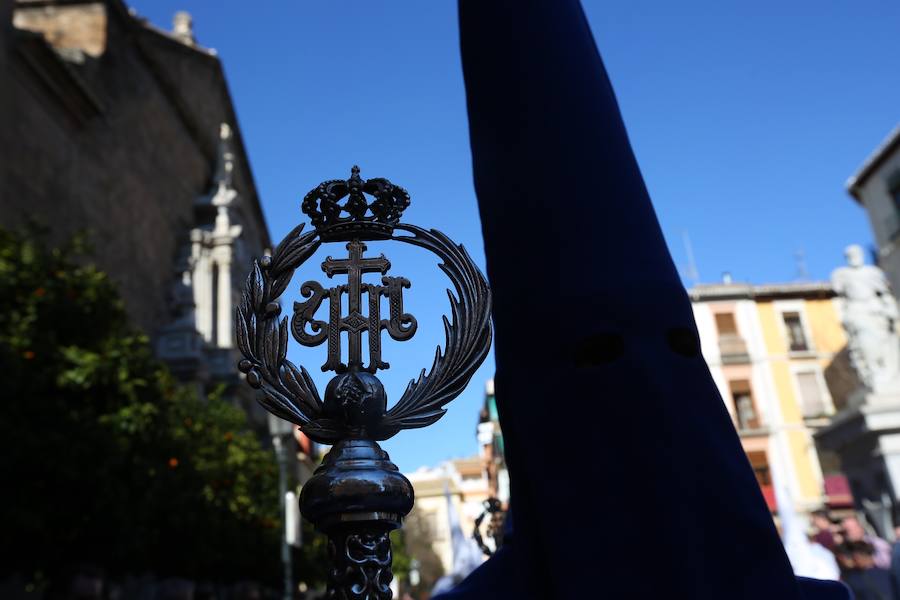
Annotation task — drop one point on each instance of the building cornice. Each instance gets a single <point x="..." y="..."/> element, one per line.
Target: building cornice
<point x="856" y="181"/>
<point x="773" y="291"/>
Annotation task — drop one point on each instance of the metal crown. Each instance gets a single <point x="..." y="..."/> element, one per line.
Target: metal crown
<point x="355" y="217"/>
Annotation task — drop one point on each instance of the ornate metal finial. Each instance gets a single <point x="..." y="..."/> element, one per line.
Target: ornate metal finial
<point x="356" y="218"/>
<point x="357" y="496"/>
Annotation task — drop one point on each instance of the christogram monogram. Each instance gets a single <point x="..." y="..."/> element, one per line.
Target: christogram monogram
<point x="355" y="402"/>
<point x="400" y="325"/>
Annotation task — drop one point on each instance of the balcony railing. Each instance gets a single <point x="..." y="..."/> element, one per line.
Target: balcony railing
<point x="733" y="349"/>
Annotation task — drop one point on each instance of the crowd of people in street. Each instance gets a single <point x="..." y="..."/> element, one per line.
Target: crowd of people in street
<point x="869" y="565"/>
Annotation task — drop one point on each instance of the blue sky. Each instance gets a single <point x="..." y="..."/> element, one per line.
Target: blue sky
<point x="746" y="119"/>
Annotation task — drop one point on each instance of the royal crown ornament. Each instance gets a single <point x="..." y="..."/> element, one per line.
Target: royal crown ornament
<point x="337" y="219"/>
<point x="357" y="496"/>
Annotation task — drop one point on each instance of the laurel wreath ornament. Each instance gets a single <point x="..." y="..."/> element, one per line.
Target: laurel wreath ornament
<point x="288" y="390"/>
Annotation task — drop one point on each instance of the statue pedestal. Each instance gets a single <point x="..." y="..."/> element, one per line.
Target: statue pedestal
<point x="866" y="438"/>
<point x="182" y="349"/>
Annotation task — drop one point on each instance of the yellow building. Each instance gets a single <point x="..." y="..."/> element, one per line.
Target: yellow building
<point x="769" y="348"/>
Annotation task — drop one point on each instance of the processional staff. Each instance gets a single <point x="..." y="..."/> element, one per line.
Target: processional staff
<point x="358" y="495"/>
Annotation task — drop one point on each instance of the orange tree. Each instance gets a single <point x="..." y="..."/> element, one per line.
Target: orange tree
<point x="105" y="459"/>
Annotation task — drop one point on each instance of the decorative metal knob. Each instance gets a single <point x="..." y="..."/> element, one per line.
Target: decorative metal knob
<point x="357" y="496"/>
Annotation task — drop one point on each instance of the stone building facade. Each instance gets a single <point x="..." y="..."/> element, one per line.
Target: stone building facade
<point x="876" y="186"/>
<point x="113" y="126"/>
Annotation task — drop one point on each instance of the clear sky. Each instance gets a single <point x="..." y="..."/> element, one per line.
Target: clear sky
<point x="746" y="119"/>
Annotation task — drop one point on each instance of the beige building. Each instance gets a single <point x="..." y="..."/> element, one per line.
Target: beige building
<point x="771" y="351"/>
<point x="461" y="483"/>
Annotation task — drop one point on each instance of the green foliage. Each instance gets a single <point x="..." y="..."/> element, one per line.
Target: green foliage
<point x="105" y="459"/>
<point x="311" y="559"/>
<point x="402" y="560"/>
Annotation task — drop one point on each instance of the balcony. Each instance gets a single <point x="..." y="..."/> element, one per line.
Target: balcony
<point x="733" y="349"/>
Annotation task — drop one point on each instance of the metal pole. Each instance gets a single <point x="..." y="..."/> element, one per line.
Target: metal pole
<point x="280" y="453"/>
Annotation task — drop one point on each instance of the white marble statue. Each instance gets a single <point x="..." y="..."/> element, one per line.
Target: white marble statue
<point x="869" y="319"/>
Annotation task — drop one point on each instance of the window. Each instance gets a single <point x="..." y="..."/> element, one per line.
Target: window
<point x="892" y="222"/>
<point x="744" y="407"/>
<point x="760" y="463"/>
<point x="726" y="324"/>
<point x="732" y="347"/>
<point x="811" y="401"/>
<point x="795" y="333"/>
<point x="893" y="185"/>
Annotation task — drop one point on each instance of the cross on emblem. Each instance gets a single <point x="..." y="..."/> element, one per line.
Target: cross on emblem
<point x="400" y="326"/>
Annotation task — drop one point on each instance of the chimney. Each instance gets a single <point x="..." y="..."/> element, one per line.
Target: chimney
<point x="183" y="27"/>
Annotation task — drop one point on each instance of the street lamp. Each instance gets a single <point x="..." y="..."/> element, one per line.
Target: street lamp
<point x="358" y="495"/>
<point x="281" y="431"/>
